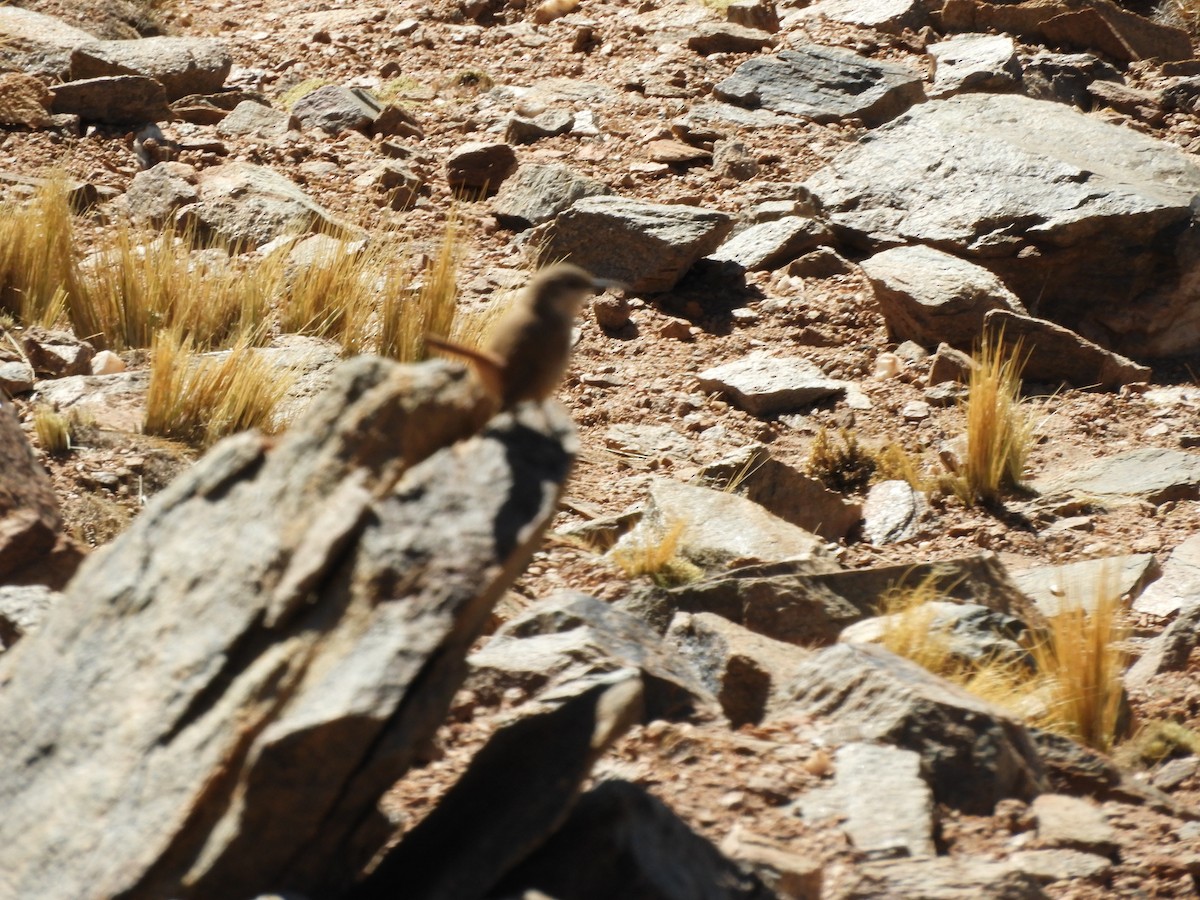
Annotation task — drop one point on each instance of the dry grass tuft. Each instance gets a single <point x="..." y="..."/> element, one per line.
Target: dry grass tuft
<point x="406" y="316"/>
<point x="657" y="556"/>
<point x="299" y="91"/>
<point x="53" y="430"/>
<point x="37" y="263"/>
<point x="845" y="467"/>
<point x="1156" y="741"/>
<point x="334" y="294"/>
<point x="199" y="399"/>
<point x="894" y="463"/>
<point x="999" y="428"/>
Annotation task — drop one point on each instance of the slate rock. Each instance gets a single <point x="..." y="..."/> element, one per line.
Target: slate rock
<point x="887" y="16"/>
<point x="38" y="44"/>
<point x="758" y="14"/>
<point x="1064" y="77"/>
<point x="24" y="100"/>
<point x="973" y="754"/>
<point x="1073" y="823"/>
<point x="480" y="166"/>
<point x="54" y="354"/>
<point x="892" y="512"/>
<point x="773" y="244"/>
<point x="113" y="100"/>
<point x="569" y="636"/>
<point x="1079" y="216"/>
<point x="155" y="194"/>
<point x="746" y="672"/>
<point x="1055" y="354"/>
<point x="182" y="65"/>
<point x="621" y="841"/>
<point x="29" y="516"/>
<point x="824" y="262"/>
<point x="929" y="296"/>
<point x="1085" y="583"/>
<point x="728" y="37"/>
<point x="940" y="878"/>
<point x="824" y="84"/>
<point x="647" y="247"/>
<point x="16" y="377"/>
<point x="334" y="109"/>
<point x="1168" y="651"/>
<point x="974" y="62"/>
<point x="949" y="364"/>
<point x="22" y="610"/>
<point x="1048" y="866"/>
<point x="764" y="384"/>
<point x="785" y="491"/>
<point x="1151" y="474"/>
<point x="1179" y="585"/>
<point x="256" y="119"/>
<point x="885" y="805"/>
<point x="526" y="130"/>
<point x="538" y="193"/>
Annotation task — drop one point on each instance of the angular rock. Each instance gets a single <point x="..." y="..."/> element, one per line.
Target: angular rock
<point x="1170" y="650"/>
<point x="950" y="365"/>
<point x="731" y="159"/>
<point x="975" y="62"/>
<point x="182" y="65"/>
<point x="620" y="841"/>
<point x="570" y="636"/>
<point x="892" y="512"/>
<point x="792" y="875"/>
<point x="536" y="194"/>
<point x="526" y="777"/>
<point x="1151" y="474"/>
<point x="113" y="100"/>
<point x="24" y="100"/>
<point x="245" y="205"/>
<point x="746" y="672"/>
<point x="318" y="632"/>
<point x="1054" y="354"/>
<point x="38" y="44"/>
<point x="758" y="14"/>
<point x="940" y="878"/>
<point x="728" y="37"/>
<point x="1179" y="584"/>
<point x="480" y="166"/>
<point x="115" y="402"/>
<point x="1073" y="823"/>
<point x="821" y="263"/>
<point x="785" y="491"/>
<point x="886" y="806"/>
<point x="29" y="517"/>
<point x="56" y="353"/>
<point x="765" y="385"/>
<point x="824" y="84"/>
<point x="973" y="754"/>
<point x="888" y="16"/>
<point x="1086" y="583"/>
<point x="521" y="130"/>
<point x="974" y="634"/>
<point x="16" y="377"/>
<point x="647" y="247"/>
<point x="22" y="610"/>
<point x="773" y="244"/>
<point x="704" y="518"/>
<point x="929" y="296"/>
<point x="155" y="194"/>
<point x="1082" y="219"/>
<point x="334" y="109"/>
<point x="675" y="152"/>
<point x="257" y="119"/>
<point x="1048" y="866"/>
<point x="394" y="184"/>
<point x="1064" y="77"/>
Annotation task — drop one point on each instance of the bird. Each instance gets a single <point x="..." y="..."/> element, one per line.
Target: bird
<point x="526" y="354"/>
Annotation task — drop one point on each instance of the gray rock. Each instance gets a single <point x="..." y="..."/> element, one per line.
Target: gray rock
<point x="770" y="245"/>
<point x="570" y="636"/>
<point x="647" y="247"/>
<point x="24" y="100"/>
<point x="113" y="100"/>
<point x="1169" y="651"/>
<point x="526" y="777"/>
<point x="1054" y="354"/>
<point x="746" y="672"/>
<point x="731" y="159"/>
<point x="246" y="205"/>
<point x="251" y="118"/>
<point x="22" y="610"/>
<point x="973" y="754"/>
<point x="1080" y="218"/>
<point x="1048" y="866"/>
<point x="823" y="262"/>
<point x="785" y="492"/>
<point x="974" y="62"/>
<point x="758" y="14"/>
<point x="334" y="109"/>
<point x="887" y="808"/>
<point x="929" y="296"/>
<point x="975" y="634"/>
<point x="764" y="384"/>
<point x="888" y="16"/>
<point x="728" y="37"/>
<point x="38" y="44"/>
<point x="949" y="364"/>
<point x="940" y="878"/>
<point x="1086" y="583"/>
<point x="16" y="377"/>
<point x="480" y="166"/>
<point x="54" y="354"/>
<point x="155" y="194"/>
<point x="393" y="183"/>
<point x="1075" y="824"/>
<point x="716" y="528"/>
<point x="114" y="402"/>
<point x="1064" y="77"/>
<point x="29" y="516"/>
<point x="712" y="121"/>
<point x="318" y="632"/>
<point x="792" y="874"/>
<point x="892" y="512"/>
<point x="825" y="84"/>
<point x="182" y="65"/>
<point x="522" y="130"/>
<point x="1179" y="585"/>
<point x="536" y="194"/>
<point x="1151" y="474"/>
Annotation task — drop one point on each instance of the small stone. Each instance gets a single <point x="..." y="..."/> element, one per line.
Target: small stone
<point x="480" y="166"/>
<point x="107" y="363"/>
<point x="915" y="411"/>
<point x="611" y="311"/>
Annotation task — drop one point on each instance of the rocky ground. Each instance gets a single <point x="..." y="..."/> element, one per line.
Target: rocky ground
<point x="640" y="83"/>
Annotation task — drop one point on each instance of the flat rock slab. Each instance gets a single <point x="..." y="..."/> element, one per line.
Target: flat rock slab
<point x="930" y="296"/>
<point x="1151" y="474"/>
<point x="537" y="193"/>
<point x="252" y="118"/>
<point x="1048" y="866"/>
<point x="974" y="62"/>
<point x="116" y="402"/>
<point x="1073" y="823"/>
<point x="888" y="16"/>
<point x="940" y="878"/>
<point x="182" y="65"/>
<point x="334" y="109"/>
<point x="974" y="634"/>
<point x="886" y="804"/>
<point x="1179" y="585"/>
<point x="1087" y="583"/>
<point x="765" y="385"/>
<point x="647" y="247"/>
<point x="892" y="512"/>
<point x="113" y="100"/>
<point x="1075" y="213"/>
<point x="770" y="245"/>
<point x="825" y="84"/>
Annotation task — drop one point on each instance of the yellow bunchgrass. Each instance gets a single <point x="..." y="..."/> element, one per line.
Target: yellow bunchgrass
<point x="999" y="427"/>
<point x="407" y="316"/>
<point x="333" y="295"/>
<point x="37" y="263"/>
<point x="842" y="465"/>
<point x="655" y="552"/>
<point x="53" y="430"/>
<point x="199" y="399"/>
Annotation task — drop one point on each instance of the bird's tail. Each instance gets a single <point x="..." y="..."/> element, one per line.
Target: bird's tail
<point x="488" y="366"/>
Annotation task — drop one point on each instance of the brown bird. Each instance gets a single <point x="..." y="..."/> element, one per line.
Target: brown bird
<point x="526" y="354"/>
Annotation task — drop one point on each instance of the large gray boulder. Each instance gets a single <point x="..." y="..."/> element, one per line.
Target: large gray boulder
<point x="182" y="65"/>
<point x="285" y="614"/>
<point x="1088" y="223"/>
